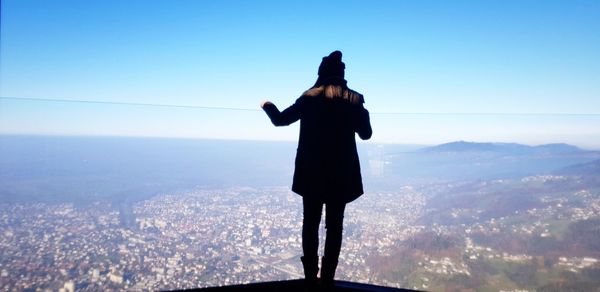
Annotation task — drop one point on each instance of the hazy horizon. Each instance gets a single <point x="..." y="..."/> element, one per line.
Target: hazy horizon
<point x="295" y="141"/>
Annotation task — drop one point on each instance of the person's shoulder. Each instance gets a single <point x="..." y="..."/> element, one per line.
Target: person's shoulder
<point x="311" y="96"/>
<point x="354" y="97"/>
<point x="313" y="91"/>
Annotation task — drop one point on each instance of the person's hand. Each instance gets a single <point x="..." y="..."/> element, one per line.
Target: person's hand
<point x="265" y="102"/>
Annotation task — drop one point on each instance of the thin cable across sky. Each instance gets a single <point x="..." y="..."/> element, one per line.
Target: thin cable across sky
<point x="38" y="99"/>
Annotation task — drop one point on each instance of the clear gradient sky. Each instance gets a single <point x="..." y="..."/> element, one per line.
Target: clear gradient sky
<point x="405" y="56"/>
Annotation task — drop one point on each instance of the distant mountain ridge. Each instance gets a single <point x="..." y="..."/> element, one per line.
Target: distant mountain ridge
<point x="463" y="160"/>
<point x="511" y="148"/>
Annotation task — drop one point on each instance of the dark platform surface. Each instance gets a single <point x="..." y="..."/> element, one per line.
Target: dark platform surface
<point x="297" y="285"/>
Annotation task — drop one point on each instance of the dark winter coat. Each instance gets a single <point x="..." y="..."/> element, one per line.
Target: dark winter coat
<point x="327" y="165"/>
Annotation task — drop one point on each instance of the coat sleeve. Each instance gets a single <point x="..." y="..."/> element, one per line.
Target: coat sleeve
<point x="363" y="123"/>
<point x="284" y="118"/>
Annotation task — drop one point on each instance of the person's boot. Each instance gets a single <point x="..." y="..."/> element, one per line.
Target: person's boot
<point x="311" y="269"/>
<point x="328" y="266"/>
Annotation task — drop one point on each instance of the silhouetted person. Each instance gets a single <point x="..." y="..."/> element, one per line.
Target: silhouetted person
<point x="327" y="167"/>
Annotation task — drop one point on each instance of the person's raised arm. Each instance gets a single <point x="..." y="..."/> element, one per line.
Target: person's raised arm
<point x="288" y="116"/>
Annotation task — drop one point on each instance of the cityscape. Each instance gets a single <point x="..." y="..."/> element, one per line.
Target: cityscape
<point x="197" y="239"/>
<point x="216" y="237"/>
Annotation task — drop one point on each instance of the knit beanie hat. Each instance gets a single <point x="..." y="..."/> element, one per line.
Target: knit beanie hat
<point x="332" y="66"/>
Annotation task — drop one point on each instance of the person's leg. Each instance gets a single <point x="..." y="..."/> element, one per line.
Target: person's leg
<point x="334" y="219"/>
<point x="310" y="226"/>
<point x="310" y="238"/>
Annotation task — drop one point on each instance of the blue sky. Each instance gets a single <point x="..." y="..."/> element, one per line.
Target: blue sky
<point x="405" y="56"/>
